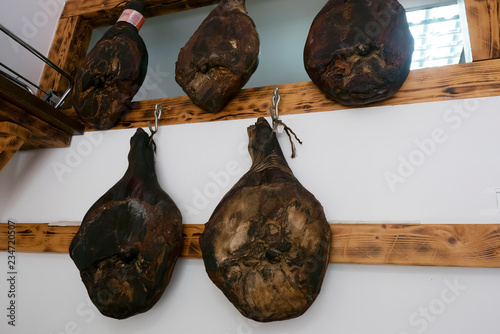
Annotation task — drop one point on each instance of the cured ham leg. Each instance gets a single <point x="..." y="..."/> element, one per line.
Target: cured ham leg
<point x="113" y="71"/>
<point x="359" y="51"/>
<point x="220" y="57"/>
<point x="130" y="239"/>
<point x="267" y="243"/>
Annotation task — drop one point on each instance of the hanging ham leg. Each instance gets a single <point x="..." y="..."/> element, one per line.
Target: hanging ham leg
<point x="130" y="239"/>
<point x="359" y="51"/>
<point x="220" y="57"/>
<point x="113" y="71"/>
<point x="267" y="243"/>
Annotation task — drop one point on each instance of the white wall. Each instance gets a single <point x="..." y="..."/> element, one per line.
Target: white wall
<point x="344" y="161"/>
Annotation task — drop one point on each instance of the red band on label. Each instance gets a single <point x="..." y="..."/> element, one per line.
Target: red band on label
<point x="133" y="17"/>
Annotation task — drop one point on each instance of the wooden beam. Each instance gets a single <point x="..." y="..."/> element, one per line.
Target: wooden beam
<point x="100" y="13"/>
<point x="483" y="17"/>
<point x="462" y="81"/>
<point x="44" y="135"/>
<point x="69" y="47"/>
<point x="49" y="127"/>
<point x="44" y="238"/>
<point x="8" y="129"/>
<point x="12" y="137"/>
<point x="454" y="245"/>
<point x="452" y="82"/>
<point x="388" y="244"/>
<point x="33" y="106"/>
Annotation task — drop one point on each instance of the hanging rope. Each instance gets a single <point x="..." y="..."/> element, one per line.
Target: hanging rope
<point x="288" y="131"/>
<point x="276" y="121"/>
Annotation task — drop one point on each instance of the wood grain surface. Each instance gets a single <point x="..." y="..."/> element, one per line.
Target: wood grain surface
<point x="100" y="13"/>
<point x="44" y="135"/>
<point x="462" y="81"/>
<point x="428" y="245"/>
<point x="483" y="18"/>
<point x="49" y="128"/>
<point x="456" y="245"/>
<point x="12" y="137"/>
<point x="28" y="104"/>
<point x="68" y="48"/>
<point x="424" y="85"/>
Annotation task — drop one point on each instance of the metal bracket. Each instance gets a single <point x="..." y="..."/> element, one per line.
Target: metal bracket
<point x="50" y="96"/>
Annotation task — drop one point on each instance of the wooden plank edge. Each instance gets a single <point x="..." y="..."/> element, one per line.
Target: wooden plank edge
<point x="100" y="13"/>
<point x="457" y="245"/>
<point x="451" y="82"/>
<point x="22" y="99"/>
<point x="69" y="47"/>
<point x="483" y="17"/>
<point x="415" y="90"/>
<point x="43" y="134"/>
<point x="12" y="137"/>
<point x="11" y="128"/>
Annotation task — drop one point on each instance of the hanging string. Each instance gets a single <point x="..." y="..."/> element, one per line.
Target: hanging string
<point x="288" y="131"/>
<point x="276" y="121"/>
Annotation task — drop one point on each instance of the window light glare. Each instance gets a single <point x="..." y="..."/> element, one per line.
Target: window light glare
<point x="438" y="36"/>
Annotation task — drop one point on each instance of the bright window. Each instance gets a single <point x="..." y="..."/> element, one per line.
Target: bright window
<point x="438" y="36"/>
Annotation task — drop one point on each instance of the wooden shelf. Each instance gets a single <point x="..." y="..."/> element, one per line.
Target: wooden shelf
<point x="100" y="13"/>
<point x="29" y="111"/>
<point x="473" y="245"/>
<point x="483" y="18"/>
<point x="12" y="137"/>
<point x="425" y="85"/>
<point x="463" y="81"/>
<point x="49" y="127"/>
<point x="26" y="122"/>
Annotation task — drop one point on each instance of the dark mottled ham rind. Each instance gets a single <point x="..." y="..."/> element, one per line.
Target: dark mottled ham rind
<point x="111" y="74"/>
<point x="130" y="239"/>
<point x="359" y="51"/>
<point x="220" y="57"/>
<point x="266" y="245"/>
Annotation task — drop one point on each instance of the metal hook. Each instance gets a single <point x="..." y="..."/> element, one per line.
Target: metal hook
<point x="274" y="109"/>
<point x="157" y="114"/>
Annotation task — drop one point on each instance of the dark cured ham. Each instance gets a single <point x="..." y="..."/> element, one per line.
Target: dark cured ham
<point x="220" y="57"/>
<point x="130" y="239"/>
<point x="266" y="245"/>
<point x="359" y="51"/>
<point x="113" y="71"/>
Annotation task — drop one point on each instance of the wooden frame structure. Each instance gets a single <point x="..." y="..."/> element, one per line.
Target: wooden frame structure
<point x="401" y="244"/>
<point x="471" y="80"/>
<point x="395" y="244"/>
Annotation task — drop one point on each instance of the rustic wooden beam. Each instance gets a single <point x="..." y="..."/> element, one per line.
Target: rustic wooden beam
<point x="100" y="13"/>
<point x="483" y="17"/>
<point x="33" y="106"/>
<point x="12" y="137"/>
<point x="69" y="47"/>
<point x="44" y="135"/>
<point x="46" y="238"/>
<point x="452" y="82"/>
<point x="457" y="245"/>
<point x="49" y="127"/>
<point x="460" y="81"/>
<point x="8" y="129"/>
